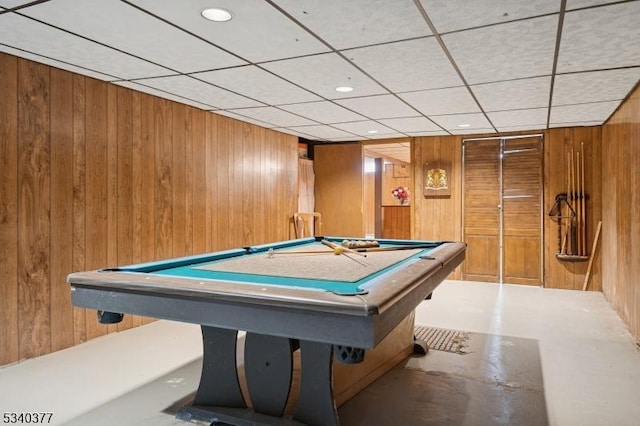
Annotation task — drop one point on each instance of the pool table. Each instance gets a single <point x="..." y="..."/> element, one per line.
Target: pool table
<point x="331" y="304"/>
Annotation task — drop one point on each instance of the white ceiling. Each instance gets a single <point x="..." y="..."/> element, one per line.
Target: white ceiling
<point x="418" y="67"/>
<point x="394" y="151"/>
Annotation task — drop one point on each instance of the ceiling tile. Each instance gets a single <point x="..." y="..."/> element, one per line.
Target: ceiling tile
<point x="362" y="128"/>
<point x="410" y="124"/>
<point x="379" y="106"/>
<point x="325" y="132"/>
<point x="452" y="122"/>
<point x="398" y="151"/>
<point x="598" y="111"/>
<point x="14" y="3"/>
<point x="26" y="34"/>
<point x="407" y="65"/>
<point x="454" y="15"/>
<point x="343" y="23"/>
<point x="344" y="139"/>
<point x="471" y="132"/>
<point x="199" y="91"/>
<point x="57" y="64"/>
<point x="522" y="117"/>
<point x="323" y="73"/>
<point x="323" y="112"/>
<point x="513" y="94"/>
<point x="243" y="118"/>
<point x="110" y="22"/>
<point x="507" y="129"/>
<point x="576" y="4"/>
<point x="436" y="133"/>
<point x="442" y="101"/>
<point x="386" y="136"/>
<point x="258" y="32"/>
<point x="162" y="94"/>
<point x="274" y="116"/>
<point x="503" y="49"/>
<point x="258" y="84"/>
<point x="600" y="38"/>
<point x="594" y="86"/>
<point x="503" y="52"/>
<point x="575" y="124"/>
<point x="292" y="132"/>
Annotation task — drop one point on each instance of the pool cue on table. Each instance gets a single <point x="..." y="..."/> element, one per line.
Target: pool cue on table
<point x="338" y="249"/>
<point x="271" y="252"/>
<point x="394" y="248"/>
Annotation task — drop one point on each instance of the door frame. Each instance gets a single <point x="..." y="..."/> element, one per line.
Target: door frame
<point x="502" y="140"/>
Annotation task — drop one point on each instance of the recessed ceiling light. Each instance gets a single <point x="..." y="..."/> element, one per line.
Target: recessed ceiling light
<point x="464" y="125"/>
<point x="344" y="89"/>
<point x="372" y="132"/>
<point x="217" y="15"/>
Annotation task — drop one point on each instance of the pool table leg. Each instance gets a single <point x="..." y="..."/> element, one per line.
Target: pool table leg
<point x="219" y="384"/>
<point x="268" y="369"/>
<point x="316" y="405"/>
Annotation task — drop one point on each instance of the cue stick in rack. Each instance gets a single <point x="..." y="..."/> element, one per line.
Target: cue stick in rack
<point x="583" y="206"/>
<point x="570" y="249"/>
<point x="576" y="202"/>
<point x="566" y="234"/>
<point x="578" y="211"/>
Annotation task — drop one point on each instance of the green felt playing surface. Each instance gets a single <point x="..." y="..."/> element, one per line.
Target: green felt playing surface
<point x="340" y="274"/>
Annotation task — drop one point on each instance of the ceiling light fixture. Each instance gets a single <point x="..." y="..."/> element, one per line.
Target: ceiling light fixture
<point x="344" y="89"/>
<point x="217" y="15"/>
<point x="464" y="125"/>
<point x="372" y="132"/>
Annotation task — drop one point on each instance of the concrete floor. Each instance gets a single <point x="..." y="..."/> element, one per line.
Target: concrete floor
<point x="536" y="357"/>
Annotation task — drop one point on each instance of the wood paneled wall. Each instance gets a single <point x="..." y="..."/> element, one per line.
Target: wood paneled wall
<point x="390" y="182"/>
<point x="620" y="211"/>
<point x="396" y="222"/>
<point x="95" y="175"/>
<point x="339" y="188"/>
<point x="441" y="218"/>
<point x="563" y="274"/>
<point x="437" y="218"/>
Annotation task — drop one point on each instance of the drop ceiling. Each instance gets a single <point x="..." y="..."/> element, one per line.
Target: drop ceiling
<point x="417" y="68"/>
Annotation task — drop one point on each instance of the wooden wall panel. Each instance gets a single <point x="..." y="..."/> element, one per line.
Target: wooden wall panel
<point x="369" y="204"/>
<point x="97" y="194"/>
<point x="61" y="207"/>
<point x="339" y="188"/>
<point x="199" y="205"/>
<point x="396" y="222"/>
<point x="34" y="237"/>
<point x="620" y="218"/>
<point x="557" y="142"/>
<point x="438" y="218"/>
<point x="390" y="182"/>
<point x="94" y="175"/>
<point x="163" y="204"/>
<point x="79" y="197"/>
<point x="9" y="334"/>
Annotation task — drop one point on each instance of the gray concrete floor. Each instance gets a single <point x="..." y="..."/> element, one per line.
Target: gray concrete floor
<point x="536" y="357"/>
